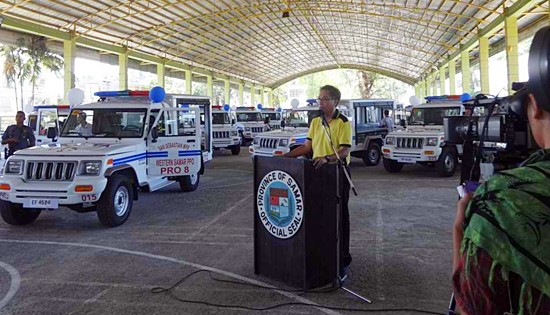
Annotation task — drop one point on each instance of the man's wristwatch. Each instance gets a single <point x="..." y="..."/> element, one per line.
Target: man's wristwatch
<point x="327" y="157"/>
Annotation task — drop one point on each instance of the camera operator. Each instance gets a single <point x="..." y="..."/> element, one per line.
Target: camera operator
<point x="501" y="235"/>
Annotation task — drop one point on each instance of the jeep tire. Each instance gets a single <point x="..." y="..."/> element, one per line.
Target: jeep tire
<point x="392" y="166"/>
<point x="446" y="164"/>
<point x="235" y="149"/>
<point x="372" y="157"/>
<point x="190" y="182"/>
<point x="115" y="204"/>
<point x="14" y="214"/>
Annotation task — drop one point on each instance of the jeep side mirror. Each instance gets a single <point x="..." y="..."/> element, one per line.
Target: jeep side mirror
<point x="283" y="124"/>
<point x="233" y="121"/>
<point x="51" y="133"/>
<point x="154" y="134"/>
<point x="403" y="123"/>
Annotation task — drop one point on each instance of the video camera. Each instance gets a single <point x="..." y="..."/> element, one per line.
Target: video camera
<point x="495" y="134"/>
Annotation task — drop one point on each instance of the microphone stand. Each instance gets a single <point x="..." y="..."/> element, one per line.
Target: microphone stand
<point x="338" y="213"/>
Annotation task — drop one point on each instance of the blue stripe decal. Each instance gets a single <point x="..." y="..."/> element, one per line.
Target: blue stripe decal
<point x="300" y="140"/>
<point x="157" y="154"/>
<point x="130" y="158"/>
<point x="189" y="153"/>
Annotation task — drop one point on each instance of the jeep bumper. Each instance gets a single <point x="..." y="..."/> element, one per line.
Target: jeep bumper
<point x="411" y="156"/>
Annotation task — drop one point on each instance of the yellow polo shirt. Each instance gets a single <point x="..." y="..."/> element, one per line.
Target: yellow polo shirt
<point x="339" y="129"/>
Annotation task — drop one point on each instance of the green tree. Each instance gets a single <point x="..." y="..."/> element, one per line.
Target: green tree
<point x="367" y="82"/>
<point x="39" y="57"/>
<point x="15" y="69"/>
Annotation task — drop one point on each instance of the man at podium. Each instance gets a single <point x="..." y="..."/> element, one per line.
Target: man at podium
<point x="338" y="128"/>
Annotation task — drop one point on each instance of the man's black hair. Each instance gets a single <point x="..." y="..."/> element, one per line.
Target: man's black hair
<point x="332" y="91"/>
<point x="19" y="112"/>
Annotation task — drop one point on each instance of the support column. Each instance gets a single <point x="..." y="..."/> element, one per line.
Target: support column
<point x="270" y="96"/>
<point x="428" y="85"/>
<point x="69" y="55"/>
<point x="227" y="97"/>
<point x="209" y="86"/>
<point x="252" y="95"/>
<point x="188" y="82"/>
<point x="123" y="70"/>
<point x="241" y="96"/>
<point x="512" y="55"/>
<point x="262" y="98"/>
<point x="465" y="65"/>
<point x="484" y="64"/>
<point x="452" y="77"/>
<point x="434" y="85"/>
<point x="442" y="81"/>
<point x="161" y="73"/>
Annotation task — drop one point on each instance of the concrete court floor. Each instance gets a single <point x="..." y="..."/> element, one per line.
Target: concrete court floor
<point x="68" y="263"/>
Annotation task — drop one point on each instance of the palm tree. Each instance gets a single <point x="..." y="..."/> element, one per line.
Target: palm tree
<point x="40" y="57"/>
<point x="14" y="68"/>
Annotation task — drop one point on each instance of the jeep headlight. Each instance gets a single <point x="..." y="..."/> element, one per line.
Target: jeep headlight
<point x="431" y="141"/>
<point x="390" y="140"/>
<point x="256" y="140"/>
<point x="247" y="129"/>
<point x="234" y="133"/>
<point x="14" y="167"/>
<point x="283" y="143"/>
<point x="89" y="168"/>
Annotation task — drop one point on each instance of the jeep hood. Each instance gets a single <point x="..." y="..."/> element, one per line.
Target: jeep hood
<point x="76" y="149"/>
<point x="287" y="133"/>
<point x="419" y="131"/>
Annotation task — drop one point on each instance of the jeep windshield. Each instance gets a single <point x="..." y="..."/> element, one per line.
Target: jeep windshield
<point x="105" y="123"/>
<point x="432" y="115"/>
<point x="249" y="117"/>
<point x="272" y="116"/>
<point x="301" y="118"/>
<point x="220" y="118"/>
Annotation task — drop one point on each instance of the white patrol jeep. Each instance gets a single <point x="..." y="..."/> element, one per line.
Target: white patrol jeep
<point x="131" y="144"/>
<point x="293" y="135"/>
<point x="249" y="123"/>
<point x="275" y="117"/>
<point x="423" y="140"/>
<point x="224" y="133"/>
<point x="44" y="117"/>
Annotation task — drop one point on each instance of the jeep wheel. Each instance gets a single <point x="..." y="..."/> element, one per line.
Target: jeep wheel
<point x="236" y="149"/>
<point x="446" y="164"/>
<point x="373" y="155"/>
<point x="14" y="214"/>
<point x="392" y="166"/>
<point x="189" y="183"/>
<point x="115" y="204"/>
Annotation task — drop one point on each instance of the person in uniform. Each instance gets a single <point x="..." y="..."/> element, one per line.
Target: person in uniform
<point x="18" y="136"/>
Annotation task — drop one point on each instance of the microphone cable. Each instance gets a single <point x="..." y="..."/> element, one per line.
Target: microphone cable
<point x="170" y="292"/>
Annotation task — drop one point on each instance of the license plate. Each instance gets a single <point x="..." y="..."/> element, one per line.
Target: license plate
<point x="406" y="160"/>
<point x="41" y="203"/>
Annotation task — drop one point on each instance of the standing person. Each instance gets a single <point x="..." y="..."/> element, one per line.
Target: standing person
<point x="501" y="235"/>
<point x="317" y="143"/>
<point x="18" y="136"/>
<point x="387" y="121"/>
<point x="267" y="126"/>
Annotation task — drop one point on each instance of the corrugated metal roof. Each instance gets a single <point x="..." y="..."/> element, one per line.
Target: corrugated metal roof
<point x="251" y="39"/>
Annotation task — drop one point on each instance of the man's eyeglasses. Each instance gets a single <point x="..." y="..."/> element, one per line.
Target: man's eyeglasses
<point x="319" y="100"/>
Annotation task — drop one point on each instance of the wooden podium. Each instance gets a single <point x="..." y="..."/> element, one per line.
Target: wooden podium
<point x="296" y="211"/>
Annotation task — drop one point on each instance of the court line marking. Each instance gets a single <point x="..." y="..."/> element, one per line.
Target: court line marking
<point x="14" y="285"/>
<point x="174" y="260"/>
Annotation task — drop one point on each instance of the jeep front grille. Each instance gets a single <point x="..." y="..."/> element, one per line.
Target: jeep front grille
<point x="257" y="129"/>
<point x="268" y="143"/>
<point x="410" y="143"/>
<point x="55" y="171"/>
<point x="221" y="134"/>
